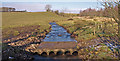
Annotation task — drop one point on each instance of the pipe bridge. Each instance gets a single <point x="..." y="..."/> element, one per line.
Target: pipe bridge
<point x="54" y="52"/>
<point x="57" y="48"/>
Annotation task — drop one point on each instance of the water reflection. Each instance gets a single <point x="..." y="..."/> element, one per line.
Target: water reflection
<point x="58" y="33"/>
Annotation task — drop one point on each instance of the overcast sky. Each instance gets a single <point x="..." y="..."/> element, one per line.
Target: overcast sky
<point x="49" y="0"/>
<point x="73" y="6"/>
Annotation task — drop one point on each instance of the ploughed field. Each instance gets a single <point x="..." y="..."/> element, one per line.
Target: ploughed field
<point x="23" y="32"/>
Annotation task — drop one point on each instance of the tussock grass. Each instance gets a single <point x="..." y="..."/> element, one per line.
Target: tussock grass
<point x="85" y="29"/>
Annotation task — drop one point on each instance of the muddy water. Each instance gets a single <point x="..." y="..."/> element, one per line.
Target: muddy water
<point x="58" y="34"/>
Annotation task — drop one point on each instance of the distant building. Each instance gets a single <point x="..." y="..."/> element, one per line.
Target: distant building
<point x="9" y="9"/>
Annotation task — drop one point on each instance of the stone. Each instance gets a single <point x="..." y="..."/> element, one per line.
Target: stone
<point x="59" y="35"/>
<point x="8" y="39"/>
<point x="11" y="57"/>
<point x="96" y="52"/>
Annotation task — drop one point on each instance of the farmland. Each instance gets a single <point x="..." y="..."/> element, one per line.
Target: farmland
<point x="16" y="19"/>
<point x="26" y="31"/>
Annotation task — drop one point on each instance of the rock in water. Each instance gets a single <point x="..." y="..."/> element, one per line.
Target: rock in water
<point x="11" y="57"/>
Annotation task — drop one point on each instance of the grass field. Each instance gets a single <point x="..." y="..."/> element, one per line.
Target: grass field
<point x="17" y="25"/>
<point x="12" y="20"/>
<point x="80" y="27"/>
<point x="16" y="19"/>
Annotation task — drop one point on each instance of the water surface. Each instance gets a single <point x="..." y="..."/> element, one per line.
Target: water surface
<point x="58" y="34"/>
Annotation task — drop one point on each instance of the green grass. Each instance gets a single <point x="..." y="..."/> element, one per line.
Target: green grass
<point x="103" y="52"/>
<point x="16" y="19"/>
<point x="12" y="20"/>
<point x="85" y="29"/>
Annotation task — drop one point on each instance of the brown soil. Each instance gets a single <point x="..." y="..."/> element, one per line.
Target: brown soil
<point x="14" y="45"/>
<point x="23" y="31"/>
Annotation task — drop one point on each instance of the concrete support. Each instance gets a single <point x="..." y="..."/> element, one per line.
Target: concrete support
<point x="63" y="51"/>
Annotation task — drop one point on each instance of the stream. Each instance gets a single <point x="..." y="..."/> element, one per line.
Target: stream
<point x="57" y="34"/>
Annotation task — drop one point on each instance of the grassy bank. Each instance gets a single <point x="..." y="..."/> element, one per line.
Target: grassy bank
<point x="15" y="20"/>
<point x="87" y="29"/>
<point x="88" y="33"/>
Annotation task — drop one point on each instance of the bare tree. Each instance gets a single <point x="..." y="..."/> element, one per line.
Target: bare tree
<point x="110" y="6"/>
<point x="9" y="9"/>
<point x="62" y="13"/>
<point x="57" y="12"/>
<point x="48" y="8"/>
<point x="13" y="9"/>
